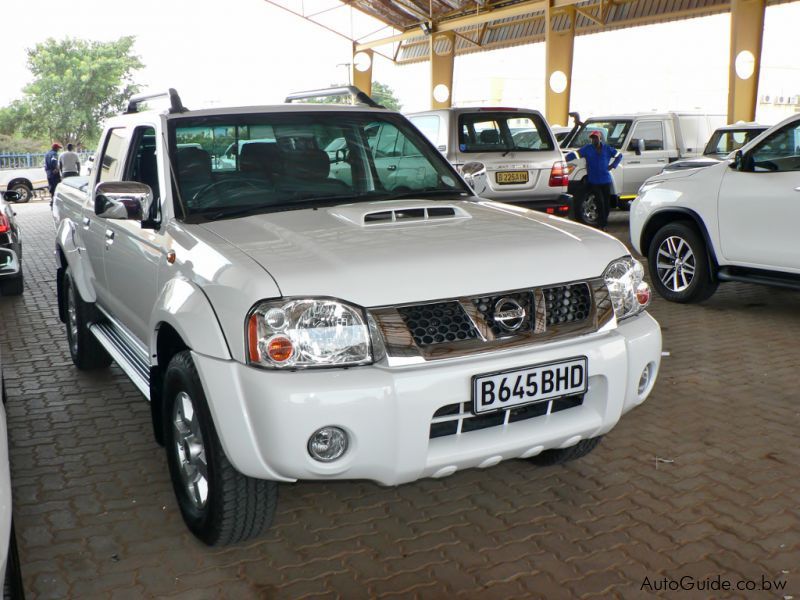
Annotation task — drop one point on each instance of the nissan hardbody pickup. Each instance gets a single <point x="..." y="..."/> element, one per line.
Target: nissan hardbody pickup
<point x="292" y="313"/>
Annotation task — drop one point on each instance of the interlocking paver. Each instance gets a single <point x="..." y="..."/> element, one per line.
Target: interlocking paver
<point x="96" y="518"/>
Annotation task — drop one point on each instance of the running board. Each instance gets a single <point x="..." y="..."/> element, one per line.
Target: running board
<point x="129" y="358"/>
<point x="784" y="280"/>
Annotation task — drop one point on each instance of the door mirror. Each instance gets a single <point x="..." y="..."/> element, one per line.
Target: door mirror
<point x="738" y="160"/>
<point x="126" y="200"/>
<point x="11" y="196"/>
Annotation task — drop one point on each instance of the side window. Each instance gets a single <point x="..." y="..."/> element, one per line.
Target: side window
<point x="142" y="162"/>
<point x="652" y="132"/>
<point x="110" y="162"/>
<point x="779" y="152"/>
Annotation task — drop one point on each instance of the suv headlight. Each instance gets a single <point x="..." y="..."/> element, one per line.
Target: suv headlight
<point x="307" y="332"/>
<point x="629" y="293"/>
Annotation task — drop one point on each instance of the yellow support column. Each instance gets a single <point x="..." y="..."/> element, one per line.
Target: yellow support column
<point x="442" y="52"/>
<point x="558" y="57"/>
<point x="747" y="29"/>
<point x="362" y="70"/>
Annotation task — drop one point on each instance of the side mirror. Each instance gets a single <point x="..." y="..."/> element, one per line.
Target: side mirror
<point x="11" y="196"/>
<point x="738" y="161"/>
<point x="126" y="200"/>
<point x="637" y="145"/>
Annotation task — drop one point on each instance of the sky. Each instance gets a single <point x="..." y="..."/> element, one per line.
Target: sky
<point x="243" y="52"/>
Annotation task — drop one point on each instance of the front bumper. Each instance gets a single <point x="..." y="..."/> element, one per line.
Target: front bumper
<point x="264" y="418"/>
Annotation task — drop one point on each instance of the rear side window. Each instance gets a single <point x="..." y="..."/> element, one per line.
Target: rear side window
<point x="110" y="162"/>
<point x="503" y="132"/>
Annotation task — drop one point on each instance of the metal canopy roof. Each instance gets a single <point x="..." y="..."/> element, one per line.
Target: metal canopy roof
<point x="491" y="24"/>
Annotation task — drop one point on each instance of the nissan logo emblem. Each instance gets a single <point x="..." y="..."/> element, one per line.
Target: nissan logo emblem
<point x="509" y="314"/>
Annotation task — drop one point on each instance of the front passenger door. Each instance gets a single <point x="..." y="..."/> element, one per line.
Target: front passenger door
<point x="759" y="206"/>
<point x="651" y="161"/>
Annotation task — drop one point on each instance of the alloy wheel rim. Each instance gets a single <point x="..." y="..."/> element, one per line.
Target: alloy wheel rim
<point x="675" y="264"/>
<point x="190" y="450"/>
<point x="590" y="212"/>
<point x="72" y="320"/>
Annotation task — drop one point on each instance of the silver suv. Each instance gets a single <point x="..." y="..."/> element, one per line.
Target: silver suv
<point x="505" y="154"/>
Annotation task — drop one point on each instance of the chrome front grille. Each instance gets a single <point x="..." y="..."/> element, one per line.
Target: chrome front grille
<point x="438" y="323"/>
<point x="568" y="303"/>
<point x="457" y="419"/>
<point x="456" y="327"/>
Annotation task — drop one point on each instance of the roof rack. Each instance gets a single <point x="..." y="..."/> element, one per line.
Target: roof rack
<point x="345" y="90"/>
<point x="175" y="104"/>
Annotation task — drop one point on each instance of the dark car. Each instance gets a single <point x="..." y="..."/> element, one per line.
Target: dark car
<point x="10" y="248"/>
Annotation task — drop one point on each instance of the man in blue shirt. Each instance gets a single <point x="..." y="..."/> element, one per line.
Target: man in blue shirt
<point x="598" y="172"/>
<point x="51" y="170"/>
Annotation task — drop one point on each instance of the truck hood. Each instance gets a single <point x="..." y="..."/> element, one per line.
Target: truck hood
<point x="392" y="252"/>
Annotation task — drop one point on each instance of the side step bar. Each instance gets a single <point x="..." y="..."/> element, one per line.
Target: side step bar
<point x="129" y="358"/>
<point x="762" y="277"/>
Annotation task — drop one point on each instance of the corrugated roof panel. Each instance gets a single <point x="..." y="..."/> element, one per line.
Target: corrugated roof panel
<point x="503" y="33"/>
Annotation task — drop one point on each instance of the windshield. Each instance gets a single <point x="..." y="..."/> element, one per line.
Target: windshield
<point x="229" y="165"/>
<point x="614" y="133"/>
<point x="723" y="143"/>
<point x="503" y="132"/>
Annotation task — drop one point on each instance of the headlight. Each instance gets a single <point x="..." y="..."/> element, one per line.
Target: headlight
<point x="307" y="332"/>
<point x="649" y="185"/>
<point x="629" y="293"/>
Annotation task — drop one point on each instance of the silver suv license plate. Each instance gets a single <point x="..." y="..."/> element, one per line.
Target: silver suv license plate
<point x="504" y="389"/>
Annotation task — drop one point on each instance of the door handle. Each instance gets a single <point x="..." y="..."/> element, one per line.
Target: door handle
<point x="86" y="222"/>
<point x="109" y="237"/>
<point x="634" y="162"/>
<point x="663" y="160"/>
<point x="797" y="189"/>
<point x="391" y="168"/>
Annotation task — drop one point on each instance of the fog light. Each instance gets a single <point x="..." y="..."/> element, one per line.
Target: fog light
<point x="644" y="380"/>
<point x="327" y="444"/>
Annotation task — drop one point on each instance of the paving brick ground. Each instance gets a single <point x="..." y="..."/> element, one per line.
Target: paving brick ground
<point x="701" y="481"/>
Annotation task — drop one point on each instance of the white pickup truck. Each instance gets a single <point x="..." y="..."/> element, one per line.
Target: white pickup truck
<point x="23" y="182"/>
<point x="648" y="142"/>
<point x="287" y="323"/>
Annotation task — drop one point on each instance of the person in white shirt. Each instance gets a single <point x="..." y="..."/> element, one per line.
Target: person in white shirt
<point x="69" y="163"/>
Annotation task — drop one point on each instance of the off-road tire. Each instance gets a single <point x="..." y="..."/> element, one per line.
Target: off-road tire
<point x="86" y="352"/>
<point x="237" y="507"/>
<point x="677" y="238"/>
<point x="559" y="456"/>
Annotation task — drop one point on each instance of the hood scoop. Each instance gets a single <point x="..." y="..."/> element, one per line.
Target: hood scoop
<point x="370" y="215"/>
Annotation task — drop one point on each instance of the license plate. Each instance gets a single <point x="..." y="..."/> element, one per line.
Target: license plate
<point x="504" y="177"/>
<point x="497" y="391"/>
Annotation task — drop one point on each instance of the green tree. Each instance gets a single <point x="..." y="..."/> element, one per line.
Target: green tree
<point x="77" y="84"/>
<point x="381" y="93"/>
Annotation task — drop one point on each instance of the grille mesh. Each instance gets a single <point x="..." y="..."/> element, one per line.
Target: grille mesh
<point x="438" y="323"/>
<point x="567" y="303"/>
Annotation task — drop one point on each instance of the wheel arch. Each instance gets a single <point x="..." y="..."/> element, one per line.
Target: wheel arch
<point x="174" y="323"/>
<point x="68" y="254"/>
<point x="17" y="180"/>
<point x="677" y="215"/>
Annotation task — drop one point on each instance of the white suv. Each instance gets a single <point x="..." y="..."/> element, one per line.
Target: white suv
<point x="732" y="221"/>
<point x="289" y="320"/>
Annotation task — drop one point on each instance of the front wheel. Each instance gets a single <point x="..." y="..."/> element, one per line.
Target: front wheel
<point x="679" y="264"/>
<point x="24" y="191"/>
<point x="219" y="505"/>
<point x="588" y="207"/>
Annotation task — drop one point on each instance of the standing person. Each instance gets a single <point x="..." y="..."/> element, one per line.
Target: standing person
<point x="69" y="163"/>
<point x="51" y="169"/>
<point x="598" y="172"/>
